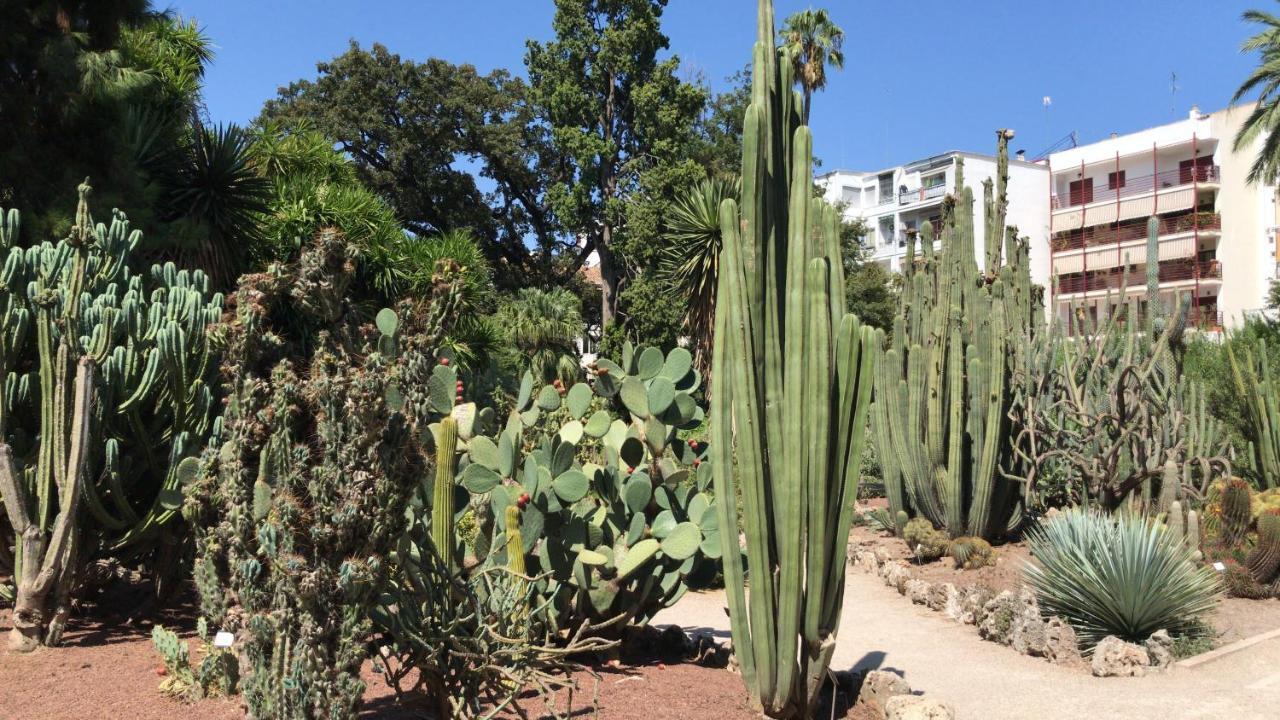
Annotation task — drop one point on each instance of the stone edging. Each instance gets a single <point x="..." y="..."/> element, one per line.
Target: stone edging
<point x="1014" y="619"/>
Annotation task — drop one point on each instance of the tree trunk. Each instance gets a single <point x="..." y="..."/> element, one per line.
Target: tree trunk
<point x="608" y="279"/>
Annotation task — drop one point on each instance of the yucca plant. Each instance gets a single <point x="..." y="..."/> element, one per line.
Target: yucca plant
<point x="1120" y="574"/>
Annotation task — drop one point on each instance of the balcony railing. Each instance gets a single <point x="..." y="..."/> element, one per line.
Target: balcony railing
<point x="1165" y="179"/>
<point x="1173" y="271"/>
<point x="1104" y="235"/>
<point x="921" y="194"/>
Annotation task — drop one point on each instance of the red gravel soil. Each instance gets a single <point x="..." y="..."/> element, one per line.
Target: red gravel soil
<point x="106" y="669"/>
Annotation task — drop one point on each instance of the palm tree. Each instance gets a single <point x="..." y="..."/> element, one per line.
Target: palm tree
<point x="543" y="326"/>
<point x="691" y="236"/>
<point x="812" y="41"/>
<point x="1265" y="118"/>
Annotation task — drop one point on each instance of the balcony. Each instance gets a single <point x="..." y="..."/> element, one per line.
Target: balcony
<point x="1134" y="186"/>
<point x="1101" y="235"/>
<point x="921" y="194"/>
<point x="1204" y="318"/>
<point x="1112" y="280"/>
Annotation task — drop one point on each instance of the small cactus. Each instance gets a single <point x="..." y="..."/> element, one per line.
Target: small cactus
<point x="442" y="531"/>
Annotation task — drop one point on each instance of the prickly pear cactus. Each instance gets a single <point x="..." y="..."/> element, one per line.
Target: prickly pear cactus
<point x="105" y="378"/>
<point x="300" y="506"/>
<point x="613" y="505"/>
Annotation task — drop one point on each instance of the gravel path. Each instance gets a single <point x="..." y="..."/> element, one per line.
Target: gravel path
<point x="985" y="681"/>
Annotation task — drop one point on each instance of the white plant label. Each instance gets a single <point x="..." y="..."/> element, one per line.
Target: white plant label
<point x="223" y="639"/>
<point x="1219" y="567"/>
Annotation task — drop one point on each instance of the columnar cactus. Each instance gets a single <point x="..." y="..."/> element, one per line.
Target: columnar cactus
<point x="793" y="374"/>
<point x="104" y="390"/>
<point x="299" y="509"/>
<point x="442" y="496"/>
<point x="1261" y="394"/>
<point x="943" y="390"/>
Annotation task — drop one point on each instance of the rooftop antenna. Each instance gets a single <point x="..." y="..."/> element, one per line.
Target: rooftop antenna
<point x="1173" y="92"/>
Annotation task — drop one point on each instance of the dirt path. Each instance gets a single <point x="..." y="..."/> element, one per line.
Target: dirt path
<point x="985" y="681"/>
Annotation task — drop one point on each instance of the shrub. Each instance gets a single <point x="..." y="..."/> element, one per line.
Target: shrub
<point x="1121" y="575"/>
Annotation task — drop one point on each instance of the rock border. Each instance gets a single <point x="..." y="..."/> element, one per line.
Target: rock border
<point x="1014" y="620"/>
<point x="888" y="695"/>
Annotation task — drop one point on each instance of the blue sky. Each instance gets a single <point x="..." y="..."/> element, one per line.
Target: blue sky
<point x="921" y="76"/>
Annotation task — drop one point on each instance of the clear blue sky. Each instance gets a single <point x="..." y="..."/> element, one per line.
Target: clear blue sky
<point x="921" y="76"/>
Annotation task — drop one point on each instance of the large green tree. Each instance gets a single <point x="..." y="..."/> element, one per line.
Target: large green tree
<point x="419" y="134"/>
<point x="622" y="126"/>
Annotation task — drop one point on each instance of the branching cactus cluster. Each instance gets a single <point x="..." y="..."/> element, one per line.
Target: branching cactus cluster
<point x="104" y="390"/>
<point x="1108" y="407"/>
<point x="300" y="506"/>
<point x="612" y="505"/>
<point x="793" y="377"/>
<point x="943" y="392"/>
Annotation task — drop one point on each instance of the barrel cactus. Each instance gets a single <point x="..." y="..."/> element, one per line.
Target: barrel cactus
<point x="105" y="378"/>
<point x="792" y="376"/>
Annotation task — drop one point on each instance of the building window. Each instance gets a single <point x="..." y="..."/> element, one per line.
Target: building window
<point x="1115" y="180"/>
<point x="933" y="181"/>
<point x="1081" y="191"/>
<point x="886" y="188"/>
<point x="886" y="231"/>
<point x="1200" y="164"/>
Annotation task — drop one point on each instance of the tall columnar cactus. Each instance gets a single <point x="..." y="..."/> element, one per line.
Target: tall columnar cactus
<point x="1261" y="394"/>
<point x="1110" y="410"/>
<point x="104" y="390"/>
<point x="299" y="509"/>
<point x="793" y="375"/>
<point x="943" y="390"/>
<point x="442" y="534"/>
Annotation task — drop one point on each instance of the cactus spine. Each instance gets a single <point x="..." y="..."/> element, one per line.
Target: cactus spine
<point x="442" y="493"/>
<point x="793" y="386"/>
<point x="943" y="389"/>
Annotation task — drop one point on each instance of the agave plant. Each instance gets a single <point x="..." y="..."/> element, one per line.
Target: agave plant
<point x="1122" y="574"/>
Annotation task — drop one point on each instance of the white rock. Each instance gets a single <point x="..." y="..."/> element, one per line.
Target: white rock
<point x="917" y="707"/>
<point x="1114" y="657"/>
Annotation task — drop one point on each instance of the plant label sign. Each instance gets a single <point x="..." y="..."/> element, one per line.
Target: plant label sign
<point x="223" y="639"/>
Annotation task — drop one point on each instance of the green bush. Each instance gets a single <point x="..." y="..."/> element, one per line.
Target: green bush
<point x="1121" y="575"/>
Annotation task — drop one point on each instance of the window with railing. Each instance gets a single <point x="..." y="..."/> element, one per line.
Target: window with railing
<point x="1133" y="230"/>
<point x="1083" y="192"/>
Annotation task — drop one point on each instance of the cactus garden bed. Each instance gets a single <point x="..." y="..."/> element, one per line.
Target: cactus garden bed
<point x="1233" y="619"/>
<point x="105" y="664"/>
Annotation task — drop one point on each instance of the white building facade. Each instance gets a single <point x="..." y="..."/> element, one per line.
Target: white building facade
<point x="895" y="202"/>
<point x="1217" y="232"/>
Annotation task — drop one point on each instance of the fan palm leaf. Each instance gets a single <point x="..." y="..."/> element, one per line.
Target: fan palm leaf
<point x="811" y="40"/>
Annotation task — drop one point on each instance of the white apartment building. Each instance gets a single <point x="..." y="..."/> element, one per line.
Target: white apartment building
<point x="1217" y="236"/>
<point x="895" y="203"/>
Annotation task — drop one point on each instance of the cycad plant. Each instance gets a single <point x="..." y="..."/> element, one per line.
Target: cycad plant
<point x="1118" y="574"/>
<point x="793" y="376"/>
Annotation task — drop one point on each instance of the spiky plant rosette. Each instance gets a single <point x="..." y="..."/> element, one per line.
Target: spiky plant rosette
<point x="1120" y="574"/>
